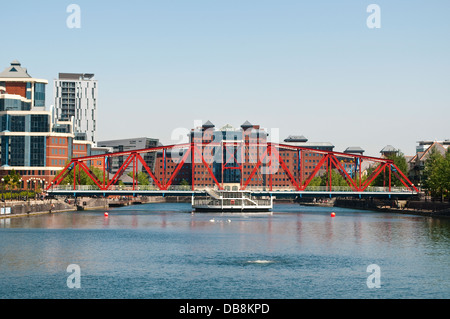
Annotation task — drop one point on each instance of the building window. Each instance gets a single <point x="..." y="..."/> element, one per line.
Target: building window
<point x="17" y="151"/>
<point x="40" y="123"/>
<point x="39" y="94"/>
<point x="37" y="151"/>
<point x="14" y="105"/>
<point x="17" y="123"/>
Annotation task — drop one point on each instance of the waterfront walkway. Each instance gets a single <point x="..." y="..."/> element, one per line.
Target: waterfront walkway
<point x="35" y="207"/>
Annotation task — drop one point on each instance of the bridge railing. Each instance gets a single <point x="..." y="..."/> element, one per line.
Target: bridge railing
<point x="248" y="189"/>
<point x="118" y="188"/>
<point x="334" y="189"/>
<point x="232" y="202"/>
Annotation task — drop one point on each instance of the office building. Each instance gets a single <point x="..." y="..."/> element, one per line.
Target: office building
<point x="32" y="143"/>
<point x="305" y="162"/>
<point x="75" y="99"/>
<point x="129" y="145"/>
<point x="232" y="154"/>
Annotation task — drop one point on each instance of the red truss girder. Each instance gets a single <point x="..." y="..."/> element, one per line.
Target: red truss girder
<point x="269" y="154"/>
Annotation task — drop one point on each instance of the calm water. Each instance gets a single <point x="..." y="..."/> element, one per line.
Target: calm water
<point x="164" y="251"/>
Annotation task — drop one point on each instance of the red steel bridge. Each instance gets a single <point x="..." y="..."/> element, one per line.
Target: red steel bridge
<point x="260" y="168"/>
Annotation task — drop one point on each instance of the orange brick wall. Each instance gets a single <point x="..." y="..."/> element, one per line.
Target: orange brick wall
<point x="79" y="150"/>
<point x="18" y="88"/>
<point x="57" y="151"/>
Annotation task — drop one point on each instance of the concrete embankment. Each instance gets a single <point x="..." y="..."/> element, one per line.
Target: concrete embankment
<point x="414" y="207"/>
<point x="35" y="207"/>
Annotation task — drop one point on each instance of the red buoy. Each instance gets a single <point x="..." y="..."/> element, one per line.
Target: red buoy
<point x="333" y="214"/>
<point x="106" y="214"/>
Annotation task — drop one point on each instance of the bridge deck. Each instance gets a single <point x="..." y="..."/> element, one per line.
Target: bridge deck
<point x="278" y="194"/>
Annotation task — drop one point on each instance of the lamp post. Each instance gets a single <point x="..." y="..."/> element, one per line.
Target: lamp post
<point x="3" y="190"/>
<point x="3" y="196"/>
<point x="20" y="189"/>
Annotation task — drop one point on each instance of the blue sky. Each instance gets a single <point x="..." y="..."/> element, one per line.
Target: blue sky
<point x="303" y="67"/>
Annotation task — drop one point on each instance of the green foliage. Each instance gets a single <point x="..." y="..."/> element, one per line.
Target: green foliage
<point x="437" y="174"/>
<point x="142" y="178"/>
<point x="323" y="180"/>
<point x="81" y="177"/>
<point x="336" y="179"/>
<point x="315" y="181"/>
<point x="184" y="182"/>
<point x="12" y="180"/>
<point x="23" y="195"/>
<point x="383" y="179"/>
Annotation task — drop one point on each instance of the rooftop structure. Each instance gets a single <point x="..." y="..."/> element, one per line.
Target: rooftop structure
<point x="19" y="91"/>
<point x="354" y="150"/>
<point x="300" y="140"/>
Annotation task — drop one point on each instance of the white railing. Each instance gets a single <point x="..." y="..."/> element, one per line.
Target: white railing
<point x="118" y="188"/>
<point x="232" y="202"/>
<point x="327" y="189"/>
<point x="248" y="189"/>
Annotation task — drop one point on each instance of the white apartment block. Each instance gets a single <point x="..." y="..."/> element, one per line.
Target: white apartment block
<point x="75" y="99"/>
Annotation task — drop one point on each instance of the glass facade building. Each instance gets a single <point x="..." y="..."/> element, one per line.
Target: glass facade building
<point x="39" y="94"/>
<point x="25" y="123"/>
<point x="14" y="105"/>
<point x="29" y="143"/>
<point x="24" y="149"/>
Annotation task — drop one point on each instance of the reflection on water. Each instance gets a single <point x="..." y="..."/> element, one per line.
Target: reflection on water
<point x="166" y="251"/>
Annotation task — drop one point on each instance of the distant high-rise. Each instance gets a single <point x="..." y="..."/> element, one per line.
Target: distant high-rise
<point x="75" y="98"/>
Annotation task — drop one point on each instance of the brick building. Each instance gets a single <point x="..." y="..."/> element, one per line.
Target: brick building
<point x="31" y="142"/>
<point x="232" y="154"/>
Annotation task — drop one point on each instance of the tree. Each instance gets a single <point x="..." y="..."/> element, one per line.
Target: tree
<point x="81" y="177"/>
<point x="446" y="172"/>
<point x="12" y="179"/>
<point x="383" y="179"/>
<point x="336" y="179"/>
<point x="141" y="177"/>
<point x="315" y="181"/>
<point x="184" y="182"/>
<point x="436" y="174"/>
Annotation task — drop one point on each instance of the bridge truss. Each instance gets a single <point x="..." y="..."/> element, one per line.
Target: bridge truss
<point x="263" y="168"/>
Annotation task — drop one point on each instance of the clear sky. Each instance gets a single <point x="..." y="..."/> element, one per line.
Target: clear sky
<point x="310" y="68"/>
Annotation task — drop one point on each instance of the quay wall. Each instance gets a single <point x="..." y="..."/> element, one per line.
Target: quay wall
<point x="415" y="207"/>
<point x="34" y="207"/>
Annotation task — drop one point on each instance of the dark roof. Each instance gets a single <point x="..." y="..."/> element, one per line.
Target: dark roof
<point x="296" y="138"/>
<point x="247" y="124"/>
<point x="208" y="124"/>
<point x="75" y="76"/>
<point x="354" y="149"/>
<point x="388" y="149"/>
